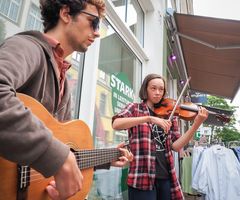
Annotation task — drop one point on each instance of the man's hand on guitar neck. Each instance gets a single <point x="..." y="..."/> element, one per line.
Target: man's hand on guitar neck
<point x="126" y="157"/>
<point x="68" y="180"/>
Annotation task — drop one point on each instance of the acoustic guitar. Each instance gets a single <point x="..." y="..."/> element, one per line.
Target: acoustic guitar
<point x="23" y="183"/>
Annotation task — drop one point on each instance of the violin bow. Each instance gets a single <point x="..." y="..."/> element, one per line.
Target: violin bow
<point x="178" y="100"/>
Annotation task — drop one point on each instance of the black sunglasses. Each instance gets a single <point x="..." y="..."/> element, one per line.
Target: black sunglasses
<point x="95" y="21"/>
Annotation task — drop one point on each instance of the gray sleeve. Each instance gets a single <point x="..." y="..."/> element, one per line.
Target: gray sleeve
<point x="23" y="137"/>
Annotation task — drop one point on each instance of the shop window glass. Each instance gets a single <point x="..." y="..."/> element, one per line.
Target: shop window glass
<point x="74" y="75"/>
<point x="120" y="8"/>
<point x="10" y="9"/>
<point x="34" y="21"/>
<point x="118" y="77"/>
<point x="132" y="14"/>
<point x="135" y="19"/>
<point x="2" y="31"/>
<point x="102" y="103"/>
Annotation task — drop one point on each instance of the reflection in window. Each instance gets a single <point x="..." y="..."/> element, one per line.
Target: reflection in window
<point x="115" y="57"/>
<point x="34" y="21"/>
<point x="74" y="75"/>
<point x="132" y="14"/>
<point x="120" y="8"/>
<point x="2" y="31"/>
<point x="10" y="9"/>
<point x="102" y="104"/>
<point x="135" y="19"/>
<point x="169" y="4"/>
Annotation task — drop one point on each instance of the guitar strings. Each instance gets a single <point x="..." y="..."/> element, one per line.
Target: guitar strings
<point x="36" y="176"/>
<point x="80" y="158"/>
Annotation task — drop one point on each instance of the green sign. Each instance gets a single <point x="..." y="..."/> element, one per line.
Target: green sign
<point x="122" y="92"/>
<point x="197" y="135"/>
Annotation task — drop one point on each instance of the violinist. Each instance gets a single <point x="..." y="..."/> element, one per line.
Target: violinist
<point x="152" y="175"/>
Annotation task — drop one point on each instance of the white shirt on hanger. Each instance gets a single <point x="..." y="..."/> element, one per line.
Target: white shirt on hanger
<point x="218" y="174"/>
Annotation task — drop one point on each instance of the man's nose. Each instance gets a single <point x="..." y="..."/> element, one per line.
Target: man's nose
<point x="96" y="34"/>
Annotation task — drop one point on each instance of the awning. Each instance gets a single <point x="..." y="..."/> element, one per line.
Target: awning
<point x="211" y="53"/>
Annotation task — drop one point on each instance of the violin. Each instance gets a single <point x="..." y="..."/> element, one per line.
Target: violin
<point x="186" y="111"/>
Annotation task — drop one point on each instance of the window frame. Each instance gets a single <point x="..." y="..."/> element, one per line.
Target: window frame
<point x="125" y="33"/>
<point x="8" y="11"/>
<point x="30" y="14"/>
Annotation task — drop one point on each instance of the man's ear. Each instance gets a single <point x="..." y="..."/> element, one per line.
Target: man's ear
<point x="64" y="14"/>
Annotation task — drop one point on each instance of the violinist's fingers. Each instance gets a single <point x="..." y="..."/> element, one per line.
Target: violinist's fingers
<point x="203" y="111"/>
<point x="202" y="115"/>
<point x="166" y="125"/>
<point x="200" y="110"/>
<point x="169" y="123"/>
<point x="206" y="112"/>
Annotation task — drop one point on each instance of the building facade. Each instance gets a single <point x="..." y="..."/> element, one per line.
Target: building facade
<point x="103" y="80"/>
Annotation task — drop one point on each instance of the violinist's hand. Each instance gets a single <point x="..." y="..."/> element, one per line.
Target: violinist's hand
<point x="202" y="115"/>
<point x="163" y="123"/>
<point x="126" y="157"/>
<point x="67" y="181"/>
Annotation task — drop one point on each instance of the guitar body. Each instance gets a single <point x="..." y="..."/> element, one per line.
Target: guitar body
<point x="75" y="134"/>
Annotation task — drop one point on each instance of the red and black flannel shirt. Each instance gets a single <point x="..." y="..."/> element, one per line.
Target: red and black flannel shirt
<point x="142" y="169"/>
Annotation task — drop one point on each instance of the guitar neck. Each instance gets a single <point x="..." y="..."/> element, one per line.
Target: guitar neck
<point x="94" y="157"/>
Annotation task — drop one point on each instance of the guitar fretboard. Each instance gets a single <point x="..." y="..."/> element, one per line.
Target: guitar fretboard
<point x="95" y="157"/>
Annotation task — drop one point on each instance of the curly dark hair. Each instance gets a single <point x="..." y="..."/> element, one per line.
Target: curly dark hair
<point x="50" y="10"/>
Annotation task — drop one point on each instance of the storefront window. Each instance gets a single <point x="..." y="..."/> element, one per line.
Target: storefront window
<point x="135" y="19"/>
<point x="120" y="7"/>
<point x="34" y="21"/>
<point x="2" y="31"/>
<point x="118" y="82"/>
<point x="132" y="14"/>
<point x="10" y="9"/>
<point x="74" y="75"/>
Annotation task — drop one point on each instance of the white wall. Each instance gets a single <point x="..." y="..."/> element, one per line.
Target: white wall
<point x="154" y="38"/>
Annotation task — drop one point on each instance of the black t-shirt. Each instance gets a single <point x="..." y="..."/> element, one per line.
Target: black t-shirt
<point x="159" y="138"/>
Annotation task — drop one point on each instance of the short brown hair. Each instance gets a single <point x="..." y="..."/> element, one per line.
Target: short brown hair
<point x="50" y="10"/>
<point x="143" y="90"/>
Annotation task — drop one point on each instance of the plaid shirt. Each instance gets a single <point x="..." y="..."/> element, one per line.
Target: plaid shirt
<point x="143" y="168"/>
